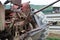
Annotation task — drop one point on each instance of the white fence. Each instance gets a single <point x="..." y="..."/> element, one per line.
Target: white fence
<point x="53" y="18"/>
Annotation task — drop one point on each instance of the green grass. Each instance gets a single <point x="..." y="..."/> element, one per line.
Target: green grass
<point x="51" y="38"/>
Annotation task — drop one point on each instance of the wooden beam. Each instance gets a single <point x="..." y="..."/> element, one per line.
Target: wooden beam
<point x="2" y="16"/>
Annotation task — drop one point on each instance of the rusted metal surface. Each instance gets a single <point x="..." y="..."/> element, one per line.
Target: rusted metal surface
<point x="16" y="2"/>
<point x="20" y="22"/>
<point x="2" y="17"/>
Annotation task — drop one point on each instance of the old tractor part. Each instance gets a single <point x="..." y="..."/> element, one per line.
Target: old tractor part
<point x="39" y="11"/>
<point x="32" y="33"/>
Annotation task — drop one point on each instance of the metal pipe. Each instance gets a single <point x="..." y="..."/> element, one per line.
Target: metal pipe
<point x="46" y="6"/>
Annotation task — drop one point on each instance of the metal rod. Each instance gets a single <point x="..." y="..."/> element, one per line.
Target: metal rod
<point x="46" y="6"/>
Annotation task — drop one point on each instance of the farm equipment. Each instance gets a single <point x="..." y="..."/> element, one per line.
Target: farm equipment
<point x="16" y="23"/>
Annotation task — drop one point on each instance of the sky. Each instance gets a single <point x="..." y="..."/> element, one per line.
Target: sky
<point x="38" y="2"/>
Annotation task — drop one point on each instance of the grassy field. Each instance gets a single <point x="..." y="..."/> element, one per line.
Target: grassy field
<point x="52" y="38"/>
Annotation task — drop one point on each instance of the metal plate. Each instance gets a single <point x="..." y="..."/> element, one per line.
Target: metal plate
<point x="17" y="2"/>
<point x="2" y="17"/>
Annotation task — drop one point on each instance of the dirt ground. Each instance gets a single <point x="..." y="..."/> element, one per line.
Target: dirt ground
<point x="54" y="35"/>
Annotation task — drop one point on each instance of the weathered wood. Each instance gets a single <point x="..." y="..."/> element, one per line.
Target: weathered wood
<point x="2" y="17"/>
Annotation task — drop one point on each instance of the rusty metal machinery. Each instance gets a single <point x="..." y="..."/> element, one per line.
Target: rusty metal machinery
<point x="16" y="2"/>
<point x="18" y="23"/>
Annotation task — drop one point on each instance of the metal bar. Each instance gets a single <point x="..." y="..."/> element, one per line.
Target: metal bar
<point x="46" y="6"/>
